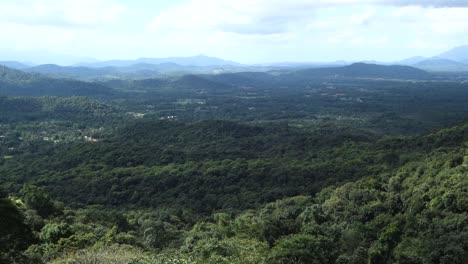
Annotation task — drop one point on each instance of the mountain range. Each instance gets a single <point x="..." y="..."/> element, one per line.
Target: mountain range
<point x="459" y="54"/>
<point x="199" y="60"/>
<point x="454" y="60"/>
<point x="21" y="83"/>
<point x="14" y="65"/>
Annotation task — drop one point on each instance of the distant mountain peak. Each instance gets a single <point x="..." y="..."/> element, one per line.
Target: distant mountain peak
<point x="459" y="54"/>
<point x="441" y="65"/>
<point x="412" y="60"/>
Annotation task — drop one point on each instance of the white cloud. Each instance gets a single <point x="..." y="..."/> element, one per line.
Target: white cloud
<point x="264" y="17"/>
<point x="60" y="13"/>
<point x="242" y="16"/>
<point x="244" y="30"/>
<point x="428" y="3"/>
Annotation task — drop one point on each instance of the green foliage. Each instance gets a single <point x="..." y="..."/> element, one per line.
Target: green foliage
<point x="38" y="199"/>
<point x="114" y="254"/>
<point x="15" y="235"/>
<point x="53" y="232"/>
<point x="410" y="215"/>
<point x="295" y="170"/>
<point x="302" y="248"/>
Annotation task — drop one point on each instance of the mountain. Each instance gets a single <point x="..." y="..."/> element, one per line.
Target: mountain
<point x="459" y="54"/>
<point x="363" y="70"/>
<point x="18" y="83"/>
<point x="13" y="75"/>
<point x="411" y="61"/>
<point x="189" y="82"/>
<point x="249" y="79"/>
<point x="140" y="70"/>
<point x="70" y="72"/>
<point x="199" y="60"/>
<point x="20" y="109"/>
<point x="197" y="82"/>
<point x="298" y="76"/>
<point x="287" y="64"/>
<point x="14" y="64"/>
<point x="441" y="64"/>
<point x="136" y="71"/>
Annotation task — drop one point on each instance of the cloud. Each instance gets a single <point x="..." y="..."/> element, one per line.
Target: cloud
<point x="60" y="13"/>
<point x="243" y="30"/>
<point x="428" y="3"/>
<point x="264" y="17"/>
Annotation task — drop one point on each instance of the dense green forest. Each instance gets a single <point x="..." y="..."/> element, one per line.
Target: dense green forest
<point x="354" y="164"/>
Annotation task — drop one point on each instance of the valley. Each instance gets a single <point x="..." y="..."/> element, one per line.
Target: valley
<point x="353" y="164"/>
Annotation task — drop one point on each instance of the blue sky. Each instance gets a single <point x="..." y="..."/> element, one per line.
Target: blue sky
<point x="248" y="31"/>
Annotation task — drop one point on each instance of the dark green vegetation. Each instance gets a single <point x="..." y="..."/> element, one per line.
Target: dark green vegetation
<point x="336" y="165"/>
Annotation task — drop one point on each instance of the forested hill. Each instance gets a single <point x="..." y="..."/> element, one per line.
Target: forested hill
<point x="70" y="72"/>
<point x="12" y="75"/>
<point x="20" y="109"/>
<point x="187" y="166"/>
<point x="362" y="200"/>
<point x="302" y="77"/>
<point x="194" y="162"/>
<point x="416" y="213"/>
<point x="18" y="83"/>
<point x="278" y="167"/>
<point x="364" y="70"/>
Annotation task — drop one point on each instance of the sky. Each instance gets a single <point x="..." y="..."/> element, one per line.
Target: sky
<point x="246" y="31"/>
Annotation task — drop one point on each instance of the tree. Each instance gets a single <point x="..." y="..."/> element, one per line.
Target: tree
<point x="15" y="235"/>
<point x="38" y="199"/>
<point x="303" y="248"/>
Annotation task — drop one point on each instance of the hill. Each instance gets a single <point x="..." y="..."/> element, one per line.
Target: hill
<point x="275" y="194"/>
<point x="19" y="83"/>
<point x="459" y="54"/>
<point x="411" y="61"/>
<point x="414" y="214"/>
<point x="363" y="70"/>
<point x="203" y="154"/>
<point x="136" y="71"/>
<point x="178" y="84"/>
<point x="299" y="78"/>
<point x="13" y="75"/>
<point x="18" y="109"/>
<point x="14" y="65"/>
<point x="197" y="82"/>
<point x="199" y="60"/>
<point x="441" y="64"/>
<point x="69" y="72"/>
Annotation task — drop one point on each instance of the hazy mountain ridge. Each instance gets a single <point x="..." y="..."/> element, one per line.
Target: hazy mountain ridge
<point x="438" y="64"/>
<point x="364" y="70"/>
<point x="14" y="65"/>
<point x="19" y="83"/>
<point x="459" y="54"/>
<point x="455" y="60"/>
<point x="199" y="60"/>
